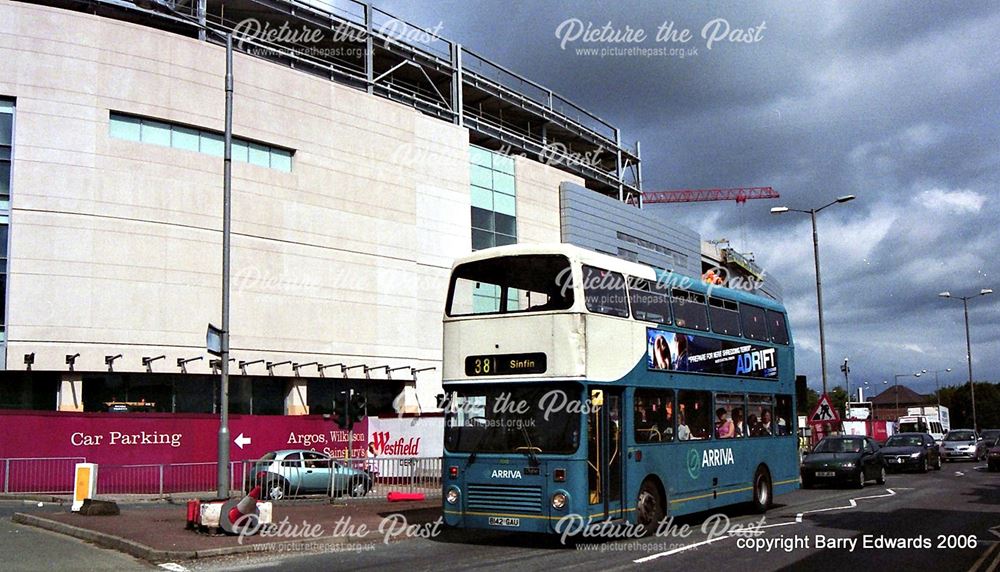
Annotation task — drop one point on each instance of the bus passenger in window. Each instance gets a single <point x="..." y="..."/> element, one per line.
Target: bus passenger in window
<point x="683" y="432"/>
<point x="739" y="428"/>
<point x="723" y="426"/>
<point x="764" y="428"/>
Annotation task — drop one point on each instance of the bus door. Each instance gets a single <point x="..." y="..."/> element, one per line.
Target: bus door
<point x="604" y="453"/>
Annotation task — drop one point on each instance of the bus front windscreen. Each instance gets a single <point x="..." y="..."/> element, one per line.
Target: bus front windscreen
<point x="521" y="418"/>
<point x="508" y="284"/>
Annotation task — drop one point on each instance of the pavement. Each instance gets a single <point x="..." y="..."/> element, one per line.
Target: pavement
<point x="158" y="533"/>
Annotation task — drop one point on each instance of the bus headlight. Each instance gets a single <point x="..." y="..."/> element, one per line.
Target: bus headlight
<point x="560" y="500"/>
<point x="452" y="495"/>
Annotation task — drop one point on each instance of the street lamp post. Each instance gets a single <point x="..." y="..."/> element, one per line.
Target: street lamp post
<point x="896" y="389"/>
<point x="819" y="288"/>
<point x="937" y="386"/>
<point x="968" y="345"/>
<point x="227" y="191"/>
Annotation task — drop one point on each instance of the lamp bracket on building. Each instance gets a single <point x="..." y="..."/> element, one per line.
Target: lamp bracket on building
<point x="388" y="372"/>
<point x="71" y="360"/>
<point x="343" y="369"/>
<point x="244" y="364"/>
<point x="272" y="365"/>
<point x="216" y="365"/>
<point x="323" y="368"/>
<point x="368" y="370"/>
<point x="414" y="371"/>
<point x="297" y="366"/>
<point x="147" y="362"/>
<point x="182" y="363"/>
<point x="110" y="361"/>
<point x="29" y="359"/>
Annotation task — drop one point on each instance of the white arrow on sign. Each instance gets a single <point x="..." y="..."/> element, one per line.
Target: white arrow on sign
<point x="241" y="441"/>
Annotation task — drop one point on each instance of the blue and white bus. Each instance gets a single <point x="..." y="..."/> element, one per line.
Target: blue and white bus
<point x="582" y="384"/>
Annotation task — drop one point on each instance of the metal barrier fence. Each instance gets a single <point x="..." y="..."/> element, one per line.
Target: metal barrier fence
<point x="280" y="480"/>
<point x="27" y="475"/>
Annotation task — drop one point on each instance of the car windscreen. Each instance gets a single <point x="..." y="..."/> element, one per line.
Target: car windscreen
<point x="512" y="418"/>
<point x="904" y="441"/>
<point x="508" y="284"/>
<point x="960" y="436"/>
<point x="839" y="446"/>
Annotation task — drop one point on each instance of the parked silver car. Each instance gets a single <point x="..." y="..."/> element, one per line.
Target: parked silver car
<point x="959" y="444"/>
<point x="293" y="472"/>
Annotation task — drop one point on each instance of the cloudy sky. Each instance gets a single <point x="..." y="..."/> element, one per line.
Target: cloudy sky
<point x="897" y="103"/>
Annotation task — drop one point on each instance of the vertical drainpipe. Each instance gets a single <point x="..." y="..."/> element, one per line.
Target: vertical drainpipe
<point x="202" y="19"/>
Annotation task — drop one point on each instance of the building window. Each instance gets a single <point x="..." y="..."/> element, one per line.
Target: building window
<point x="132" y="128"/>
<point x="494" y="217"/>
<point x="6" y="160"/>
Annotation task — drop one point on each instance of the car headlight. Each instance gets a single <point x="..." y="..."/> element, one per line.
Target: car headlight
<point x="452" y="495"/>
<point x="559" y="500"/>
<point x="848" y="465"/>
<point x="914" y="455"/>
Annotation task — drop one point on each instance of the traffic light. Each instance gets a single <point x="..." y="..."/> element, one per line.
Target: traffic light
<point x="341" y="405"/>
<point x="358" y="408"/>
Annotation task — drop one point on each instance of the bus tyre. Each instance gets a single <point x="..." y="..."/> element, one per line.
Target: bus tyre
<point x="881" y="474"/>
<point x="762" y="490"/>
<point x="649" y="507"/>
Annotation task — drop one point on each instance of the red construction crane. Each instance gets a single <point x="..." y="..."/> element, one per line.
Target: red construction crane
<point x="739" y="194"/>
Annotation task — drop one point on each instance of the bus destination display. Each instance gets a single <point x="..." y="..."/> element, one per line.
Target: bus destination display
<point x="505" y="364"/>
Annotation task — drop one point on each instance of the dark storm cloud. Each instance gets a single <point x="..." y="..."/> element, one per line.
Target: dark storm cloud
<point x="896" y="102"/>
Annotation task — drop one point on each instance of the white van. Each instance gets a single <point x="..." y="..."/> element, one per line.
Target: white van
<point x="922" y="424"/>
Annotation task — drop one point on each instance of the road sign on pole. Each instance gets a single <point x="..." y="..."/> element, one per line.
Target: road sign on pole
<point x="824" y="411"/>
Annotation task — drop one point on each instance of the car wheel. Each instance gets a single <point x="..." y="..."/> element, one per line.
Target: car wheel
<point x="937" y="464"/>
<point x="923" y="465"/>
<point x="859" y="481"/>
<point x="762" y="491"/>
<point x="277" y="491"/>
<point x="359" y="487"/>
<point x="881" y="474"/>
<point x="649" y="507"/>
<point x="807" y="483"/>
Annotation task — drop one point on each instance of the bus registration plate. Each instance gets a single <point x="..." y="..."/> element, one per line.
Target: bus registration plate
<point x="504" y="521"/>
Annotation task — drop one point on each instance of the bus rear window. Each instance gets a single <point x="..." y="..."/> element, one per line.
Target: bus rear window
<point x="508" y="284"/>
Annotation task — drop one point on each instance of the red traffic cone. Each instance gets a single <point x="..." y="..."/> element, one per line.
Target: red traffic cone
<point x="246" y="506"/>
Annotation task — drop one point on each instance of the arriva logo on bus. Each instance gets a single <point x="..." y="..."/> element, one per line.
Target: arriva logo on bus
<point x="708" y="458"/>
<point x="506" y="474"/>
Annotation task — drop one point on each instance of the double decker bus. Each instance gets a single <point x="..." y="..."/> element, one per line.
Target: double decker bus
<point x="585" y="386"/>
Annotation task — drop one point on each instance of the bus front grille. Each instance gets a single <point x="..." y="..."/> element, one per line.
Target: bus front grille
<point x="504" y="498"/>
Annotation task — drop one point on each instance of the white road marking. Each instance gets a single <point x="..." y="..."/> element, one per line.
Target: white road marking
<point x="959" y="474"/>
<point x="173" y="567"/>
<point x="798" y="520"/>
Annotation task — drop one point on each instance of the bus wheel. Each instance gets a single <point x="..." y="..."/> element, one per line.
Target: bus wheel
<point x="762" y="490"/>
<point x="649" y="506"/>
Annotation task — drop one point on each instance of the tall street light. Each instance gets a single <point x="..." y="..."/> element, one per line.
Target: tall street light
<point x="968" y="344"/>
<point x="896" y="390"/>
<point x="819" y="289"/>
<point x="937" y="386"/>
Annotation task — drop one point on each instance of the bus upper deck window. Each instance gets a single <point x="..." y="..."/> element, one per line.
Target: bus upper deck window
<point x="605" y="292"/>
